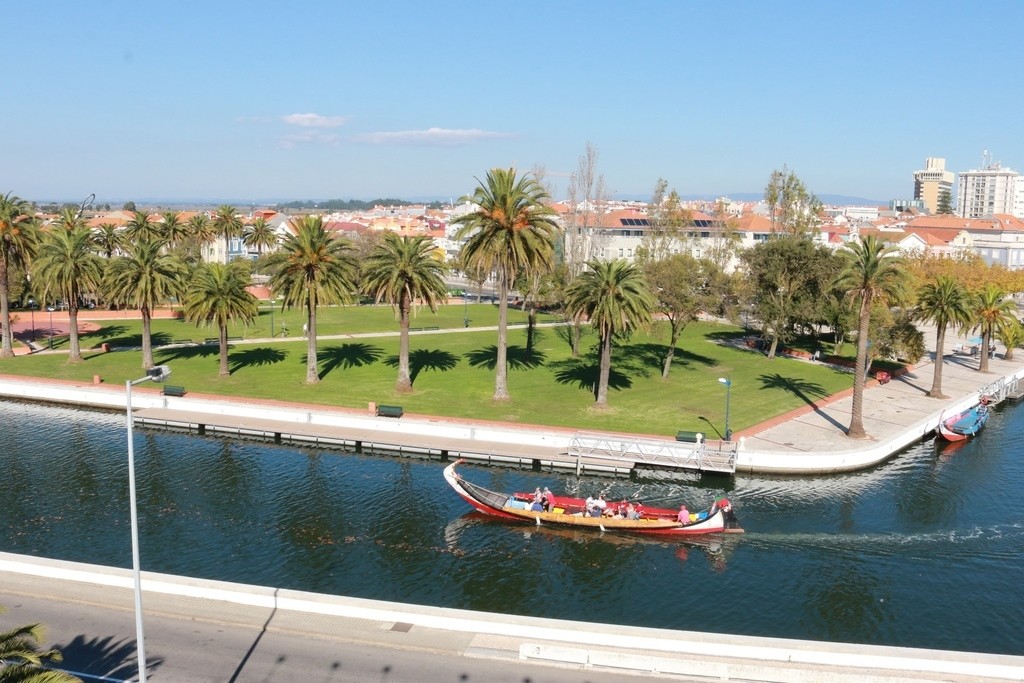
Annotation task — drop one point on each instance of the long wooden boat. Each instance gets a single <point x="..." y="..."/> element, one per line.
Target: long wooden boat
<point x="566" y="511"/>
<point x="966" y="423"/>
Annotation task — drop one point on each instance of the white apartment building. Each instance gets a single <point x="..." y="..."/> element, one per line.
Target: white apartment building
<point x="990" y="191"/>
<point x="931" y="181"/>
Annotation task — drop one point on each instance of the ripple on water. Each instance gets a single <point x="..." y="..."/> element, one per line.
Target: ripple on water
<point x="881" y="556"/>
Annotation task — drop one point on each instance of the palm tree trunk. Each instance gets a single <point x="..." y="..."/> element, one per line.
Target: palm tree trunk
<point x="312" y="366"/>
<point x="223" y="343"/>
<point x="147" y="340"/>
<point x="76" y="350"/>
<point x="986" y="335"/>
<point x="605" y="368"/>
<point x="404" y="383"/>
<point x="856" y="430"/>
<point x="501" y="362"/>
<point x="940" y="345"/>
<point x="7" y="350"/>
<point x="576" y="332"/>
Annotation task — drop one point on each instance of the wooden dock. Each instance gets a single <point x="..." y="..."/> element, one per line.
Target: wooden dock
<point x="584" y="453"/>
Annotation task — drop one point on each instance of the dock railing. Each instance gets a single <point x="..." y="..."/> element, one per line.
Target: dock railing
<point x="632" y="451"/>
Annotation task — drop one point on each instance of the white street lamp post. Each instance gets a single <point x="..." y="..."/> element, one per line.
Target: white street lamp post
<point x="728" y="387"/>
<point x="157" y="374"/>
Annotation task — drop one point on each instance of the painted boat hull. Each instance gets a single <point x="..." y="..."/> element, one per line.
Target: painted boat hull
<point x="964" y="424"/>
<point x="655" y="521"/>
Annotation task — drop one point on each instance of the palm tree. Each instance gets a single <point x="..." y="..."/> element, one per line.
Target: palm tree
<point x="141" y="229"/>
<point x="511" y="231"/>
<point x="941" y="303"/>
<point x="108" y="239"/>
<point x="142" y="279"/>
<point x="174" y="231"/>
<point x="66" y="267"/>
<point x="872" y="272"/>
<point x="69" y="219"/>
<point x="312" y="267"/>
<point x="18" y="238"/>
<point x="227" y="224"/>
<point x="22" y="661"/>
<point x="260" y="235"/>
<point x="200" y="229"/>
<point x="401" y="270"/>
<point x="217" y="295"/>
<point x="990" y="310"/>
<point x="614" y="296"/>
<point x="1011" y="335"/>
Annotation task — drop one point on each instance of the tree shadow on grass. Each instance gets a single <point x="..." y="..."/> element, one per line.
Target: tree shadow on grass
<point x="187" y="352"/>
<point x="107" y="333"/>
<point x="426" y="359"/>
<point x="135" y="340"/>
<point x="352" y="355"/>
<point x="808" y="392"/>
<point x="518" y="357"/>
<point x="585" y="375"/>
<point x="255" y="357"/>
<point x="653" y="356"/>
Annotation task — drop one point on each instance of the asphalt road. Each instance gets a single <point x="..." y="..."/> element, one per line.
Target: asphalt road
<point x="98" y="643"/>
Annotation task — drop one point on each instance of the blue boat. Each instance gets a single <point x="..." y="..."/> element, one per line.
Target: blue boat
<point x="966" y="423"/>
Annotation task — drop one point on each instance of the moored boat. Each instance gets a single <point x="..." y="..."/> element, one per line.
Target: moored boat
<point x="566" y="511"/>
<point x="966" y="423"/>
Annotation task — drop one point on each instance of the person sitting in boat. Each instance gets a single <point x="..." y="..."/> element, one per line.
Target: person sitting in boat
<point x="589" y="505"/>
<point x="632" y="512"/>
<point x="599" y="506"/>
<point x="536" y="506"/>
<point x="547" y="499"/>
<point x="684" y="515"/>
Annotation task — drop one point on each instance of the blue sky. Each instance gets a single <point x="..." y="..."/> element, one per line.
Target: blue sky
<point x="256" y="101"/>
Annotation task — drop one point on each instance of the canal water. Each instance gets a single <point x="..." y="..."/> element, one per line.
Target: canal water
<point x="926" y="550"/>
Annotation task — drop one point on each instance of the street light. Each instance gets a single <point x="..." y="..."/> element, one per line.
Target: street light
<point x="271" y="317"/>
<point x="465" y="309"/>
<point x="156" y="374"/>
<point x="728" y="387"/>
<point x="32" y="311"/>
<point x="49" y="341"/>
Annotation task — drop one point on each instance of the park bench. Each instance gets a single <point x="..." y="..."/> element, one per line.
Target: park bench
<point x="688" y="437"/>
<point x="390" y="411"/>
<point x="216" y="340"/>
<point x="173" y="390"/>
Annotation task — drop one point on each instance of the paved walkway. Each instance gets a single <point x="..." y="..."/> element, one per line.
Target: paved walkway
<point x="900" y="408"/>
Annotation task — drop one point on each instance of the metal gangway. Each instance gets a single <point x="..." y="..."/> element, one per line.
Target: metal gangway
<point x="1001" y="389"/>
<point x="631" y="451"/>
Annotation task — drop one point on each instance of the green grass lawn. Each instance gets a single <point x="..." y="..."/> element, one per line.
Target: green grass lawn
<point x="454" y="372"/>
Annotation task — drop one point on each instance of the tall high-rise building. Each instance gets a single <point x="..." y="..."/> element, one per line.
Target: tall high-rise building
<point x="930" y="182"/>
<point x="989" y="191"/>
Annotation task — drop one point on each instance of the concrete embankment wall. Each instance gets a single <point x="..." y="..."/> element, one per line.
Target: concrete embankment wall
<point x="825" y="459"/>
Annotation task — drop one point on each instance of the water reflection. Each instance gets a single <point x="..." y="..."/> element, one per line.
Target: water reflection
<point x="881" y="556"/>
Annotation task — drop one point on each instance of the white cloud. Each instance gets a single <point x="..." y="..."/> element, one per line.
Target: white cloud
<point x="314" y="120"/>
<point x="308" y="138"/>
<point x="441" y="137"/>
